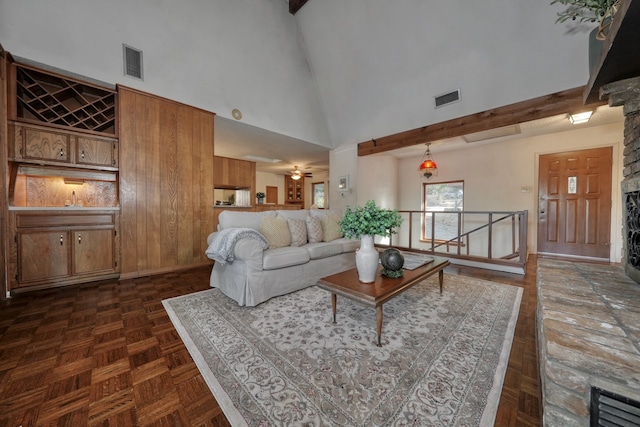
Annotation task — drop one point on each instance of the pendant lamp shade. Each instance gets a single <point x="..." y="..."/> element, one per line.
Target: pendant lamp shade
<point x="428" y="167"/>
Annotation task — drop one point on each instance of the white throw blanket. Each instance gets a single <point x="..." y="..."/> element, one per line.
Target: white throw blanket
<point x="221" y="247"/>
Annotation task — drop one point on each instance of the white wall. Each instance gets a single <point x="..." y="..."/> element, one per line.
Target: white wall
<point x="378" y="178"/>
<point x="494" y="174"/>
<point x="214" y="54"/>
<point x="264" y="179"/>
<point x="343" y="162"/>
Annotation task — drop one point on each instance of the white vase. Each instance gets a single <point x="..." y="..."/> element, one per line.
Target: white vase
<point x="367" y="260"/>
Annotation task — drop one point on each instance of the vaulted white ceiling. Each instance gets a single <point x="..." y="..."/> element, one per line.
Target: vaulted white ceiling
<point x="339" y="72"/>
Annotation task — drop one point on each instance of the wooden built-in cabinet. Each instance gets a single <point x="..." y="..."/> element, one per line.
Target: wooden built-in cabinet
<point x="234" y="173"/>
<point x="294" y="191"/>
<point x="55" y="248"/>
<point x="59" y="130"/>
<point x="38" y="144"/>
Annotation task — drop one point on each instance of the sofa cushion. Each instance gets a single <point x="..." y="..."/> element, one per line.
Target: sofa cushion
<point x="298" y="231"/>
<point x="232" y="218"/>
<point x="293" y="213"/>
<point x="323" y="249"/>
<point x="273" y="259"/>
<point x="314" y="229"/>
<point x="330" y="228"/>
<point x="319" y="213"/>
<point x="276" y="231"/>
<point x="348" y="245"/>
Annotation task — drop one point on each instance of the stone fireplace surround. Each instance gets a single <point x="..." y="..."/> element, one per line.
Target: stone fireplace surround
<point x="588" y="316"/>
<point x="588" y="326"/>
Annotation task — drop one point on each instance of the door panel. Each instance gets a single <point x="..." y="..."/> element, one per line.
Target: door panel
<point x="574" y="210"/>
<point x="43" y="255"/>
<point x="93" y="251"/>
<point x="272" y="194"/>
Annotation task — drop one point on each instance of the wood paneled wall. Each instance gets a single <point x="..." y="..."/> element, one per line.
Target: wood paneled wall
<point x="166" y="183"/>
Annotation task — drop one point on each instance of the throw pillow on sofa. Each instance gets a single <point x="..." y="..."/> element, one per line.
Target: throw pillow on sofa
<point x="276" y="231"/>
<point x="314" y="229"/>
<point x="330" y="228"/>
<point x="298" y="231"/>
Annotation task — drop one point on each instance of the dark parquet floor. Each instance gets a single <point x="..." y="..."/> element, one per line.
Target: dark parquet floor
<point x="107" y="354"/>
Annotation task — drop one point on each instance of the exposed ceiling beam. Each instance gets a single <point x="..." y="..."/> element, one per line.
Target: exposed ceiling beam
<point x="568" y="101"/>
<point x="295" y="5"/>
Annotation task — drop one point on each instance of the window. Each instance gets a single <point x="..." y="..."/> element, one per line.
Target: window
<point x="317" y="189"/>
<point x="446" y="199"/>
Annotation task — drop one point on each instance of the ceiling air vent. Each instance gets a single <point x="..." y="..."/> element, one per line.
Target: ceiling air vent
<point x="447" y="98"/>
<point x="132" y="62"/>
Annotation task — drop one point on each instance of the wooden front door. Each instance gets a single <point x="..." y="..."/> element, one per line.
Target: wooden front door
<point x="574" y="208"/>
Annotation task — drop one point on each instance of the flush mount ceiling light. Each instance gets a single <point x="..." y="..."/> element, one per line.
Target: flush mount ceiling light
<point x="237" y="114"/>
<point x="428" y="167"/>
<point x="297" y="173"/>
<point x="578" y="118"/>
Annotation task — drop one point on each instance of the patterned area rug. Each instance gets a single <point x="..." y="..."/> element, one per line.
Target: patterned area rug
<point x="442" y="360"/>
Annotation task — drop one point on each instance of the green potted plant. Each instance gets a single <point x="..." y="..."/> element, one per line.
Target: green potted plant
<point x="260" y="196"/>
<point x="600" y="11"/>
<point x="365" y="223"/>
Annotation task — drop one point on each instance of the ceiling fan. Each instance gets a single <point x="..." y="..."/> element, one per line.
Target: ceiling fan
<point x="297" y="173"/>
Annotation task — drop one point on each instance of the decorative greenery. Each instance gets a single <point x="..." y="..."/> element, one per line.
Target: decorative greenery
<point x="369" y="220"/>
<point x="260" y="195"/>
<point x="394" y="274"/>
<point x="587" y="10"/>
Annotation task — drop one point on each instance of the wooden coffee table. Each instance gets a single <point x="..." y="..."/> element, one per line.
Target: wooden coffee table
<point x="375" y="294"/>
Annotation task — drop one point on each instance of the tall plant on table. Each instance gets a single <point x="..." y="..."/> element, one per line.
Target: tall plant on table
<point x="364" y="223"/>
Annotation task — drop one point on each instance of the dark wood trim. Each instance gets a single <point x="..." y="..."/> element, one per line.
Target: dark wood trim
<point x="295" y="5"/>
<point x="567" y="101"/>
<point x="619" y="59"/>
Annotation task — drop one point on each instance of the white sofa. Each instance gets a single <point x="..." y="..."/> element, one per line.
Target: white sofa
<point x="256" y="274"/>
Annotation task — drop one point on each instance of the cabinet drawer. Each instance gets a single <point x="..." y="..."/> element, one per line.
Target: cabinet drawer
<point x="39" y="144"/>
<point x="62" y="220"/>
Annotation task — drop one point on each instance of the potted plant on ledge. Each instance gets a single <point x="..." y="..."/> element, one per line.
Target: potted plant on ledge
<point x="364" y="223"/>
<point x="260" y="197"/>
<point x="600" y="11"/>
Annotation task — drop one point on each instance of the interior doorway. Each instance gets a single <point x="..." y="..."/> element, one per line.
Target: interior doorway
<point x="574" y="203"/>
<point x="272" y="194"/>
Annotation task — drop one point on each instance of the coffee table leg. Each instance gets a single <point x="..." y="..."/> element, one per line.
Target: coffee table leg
<point x="441" y="278"/>
<point x="379" y="324"/>
<point x="334" y="299"/>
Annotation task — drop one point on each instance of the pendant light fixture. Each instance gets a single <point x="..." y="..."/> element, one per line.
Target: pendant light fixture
<point x="428" y="167"/>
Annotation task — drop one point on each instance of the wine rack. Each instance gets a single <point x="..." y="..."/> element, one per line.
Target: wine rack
<point x="47" y="98"/>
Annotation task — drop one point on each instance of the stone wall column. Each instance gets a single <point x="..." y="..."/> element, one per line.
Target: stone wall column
<point x="627" y="93"/>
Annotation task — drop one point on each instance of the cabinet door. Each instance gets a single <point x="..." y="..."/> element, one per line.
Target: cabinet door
<point x="93" y="251"/>
<point x="96" y="151"/>
<point x="43" y="145"/>
<point x="43" y="255"/>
